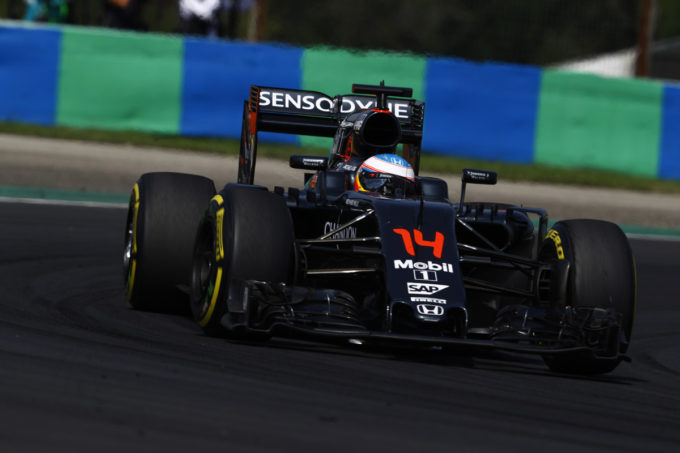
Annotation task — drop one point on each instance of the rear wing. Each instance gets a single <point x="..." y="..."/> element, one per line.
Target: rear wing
<point x="312" y="113"/>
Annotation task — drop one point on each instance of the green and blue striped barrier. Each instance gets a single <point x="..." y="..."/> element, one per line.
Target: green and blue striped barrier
<point x="107" y="79"/>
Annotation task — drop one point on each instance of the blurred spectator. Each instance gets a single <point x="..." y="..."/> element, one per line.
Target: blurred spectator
<point x="199" y="17"/>
<point x="35" y="10"/>
<point x="122" y="14"/>
<point x="56" y="11"/>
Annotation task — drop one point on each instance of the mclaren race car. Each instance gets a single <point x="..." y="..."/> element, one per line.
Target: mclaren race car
<point x="366" y="251"/>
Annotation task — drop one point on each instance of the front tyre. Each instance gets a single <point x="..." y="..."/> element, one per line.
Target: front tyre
<point x="246" y="233"/>
<point x="601" y="275"/>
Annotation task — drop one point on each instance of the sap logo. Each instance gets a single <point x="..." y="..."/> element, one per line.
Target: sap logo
<point x="429" y="300"/>
<point x="424" y="289"/>
<point x="430" y="310"/>
<point x="428" y="276"/>
<point x="349" y="232"/>
<point x="429" y="266"/>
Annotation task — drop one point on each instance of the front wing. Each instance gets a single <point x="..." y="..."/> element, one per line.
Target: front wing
<point x="331" y="315"/>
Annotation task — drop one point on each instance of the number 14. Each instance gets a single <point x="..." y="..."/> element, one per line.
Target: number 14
<point x="437" y="245"/>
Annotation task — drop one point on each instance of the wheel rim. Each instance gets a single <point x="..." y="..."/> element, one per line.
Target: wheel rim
<point x="130" y="248"/>
<point x="203" y="272"/>
<point x="127" y="252"/>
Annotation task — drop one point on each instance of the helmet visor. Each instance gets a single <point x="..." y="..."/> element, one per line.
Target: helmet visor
<point x="373" y="182"/>
<point x="386" y="184"/>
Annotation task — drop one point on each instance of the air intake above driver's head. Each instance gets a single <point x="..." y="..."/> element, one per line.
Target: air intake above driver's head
<point x="380" y="129"/>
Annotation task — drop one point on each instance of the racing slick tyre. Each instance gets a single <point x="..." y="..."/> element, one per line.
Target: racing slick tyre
<point x="246" y="233"/>
<point x="163" y="215"/>
<point x="601" y="274"/>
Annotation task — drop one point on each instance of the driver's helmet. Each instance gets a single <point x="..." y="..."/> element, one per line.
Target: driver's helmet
<point x="387" y="174"/>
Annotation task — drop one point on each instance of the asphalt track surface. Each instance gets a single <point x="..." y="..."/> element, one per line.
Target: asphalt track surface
<point x="81" y="371"/>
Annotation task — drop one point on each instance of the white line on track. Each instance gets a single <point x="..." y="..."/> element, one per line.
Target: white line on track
<point x="89" y="204"/>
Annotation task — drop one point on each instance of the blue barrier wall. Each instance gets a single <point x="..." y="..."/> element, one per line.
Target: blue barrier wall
<point x="669" y="162"/>
<point x="29" y="60"/>
<point x="217" y="79"/>
<point x="484" y="111"/>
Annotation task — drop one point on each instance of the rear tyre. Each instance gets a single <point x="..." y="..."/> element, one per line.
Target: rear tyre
<point x="601" y="274"/>
<point x="163" y="215"/>
<point x="245" y="234"/>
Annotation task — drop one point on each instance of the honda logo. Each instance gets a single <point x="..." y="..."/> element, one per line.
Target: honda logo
<point x="430" y="310"/>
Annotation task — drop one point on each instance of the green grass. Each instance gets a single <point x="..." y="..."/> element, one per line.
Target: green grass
<point x="429" y="162"/>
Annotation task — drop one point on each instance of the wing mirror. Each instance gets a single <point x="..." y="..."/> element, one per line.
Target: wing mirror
<point x="479" y="176"/>
<point x="475" y="177"/>
<point x="308" y="162"/>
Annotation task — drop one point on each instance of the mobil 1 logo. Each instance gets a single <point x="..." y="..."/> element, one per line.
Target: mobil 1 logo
<point x="423" y="266"/>
<point x="424" y="276"/>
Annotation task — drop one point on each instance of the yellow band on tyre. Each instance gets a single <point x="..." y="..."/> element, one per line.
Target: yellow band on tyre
<point x="219" y="256"/>
<point x="219" y="222"/>
<point x="213" y="300"/>
<point x="219" y="246"/>
<point x="218" y="199"/>
<point x="133" y="254"/>
<point x="557" y="240"/>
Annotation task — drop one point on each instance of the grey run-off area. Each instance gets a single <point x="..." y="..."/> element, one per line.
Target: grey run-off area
<point x="98" y="167"/>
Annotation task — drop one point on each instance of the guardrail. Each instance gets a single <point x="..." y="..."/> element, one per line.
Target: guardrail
<point x="106" y="79"/>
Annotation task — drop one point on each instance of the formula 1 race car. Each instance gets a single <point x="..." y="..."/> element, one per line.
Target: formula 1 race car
<point x="368" y="252"/>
